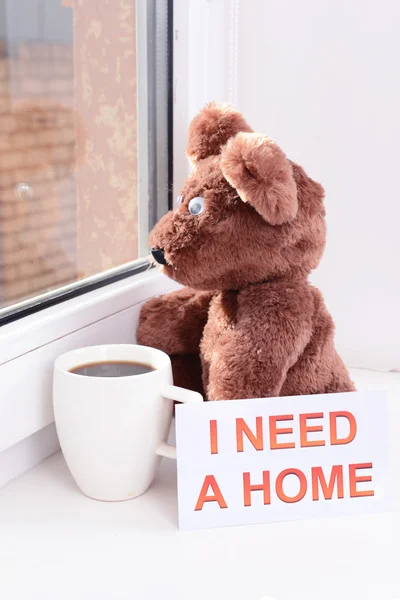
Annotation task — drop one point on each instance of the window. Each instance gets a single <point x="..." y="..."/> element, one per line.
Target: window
<point x="83" y="143"/>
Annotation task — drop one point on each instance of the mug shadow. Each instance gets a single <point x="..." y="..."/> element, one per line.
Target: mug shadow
<point x="155" y="509"/>
<point x="162" y="495"/>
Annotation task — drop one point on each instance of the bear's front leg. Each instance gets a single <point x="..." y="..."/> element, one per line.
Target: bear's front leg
<point x="174" y="323"/>
<point x="273" y="326"/>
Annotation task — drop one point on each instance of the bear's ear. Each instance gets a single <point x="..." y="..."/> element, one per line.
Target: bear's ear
<point x="262" y="175"/>
<point x="212" y="128"/>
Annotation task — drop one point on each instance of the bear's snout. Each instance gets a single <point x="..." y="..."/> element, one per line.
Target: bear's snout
<point x="158" y="255"/>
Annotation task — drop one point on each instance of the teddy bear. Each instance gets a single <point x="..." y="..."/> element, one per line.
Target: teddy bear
<point x="243" y="238"/>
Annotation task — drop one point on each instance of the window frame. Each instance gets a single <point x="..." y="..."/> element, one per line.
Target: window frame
<point x="105" y="307"/>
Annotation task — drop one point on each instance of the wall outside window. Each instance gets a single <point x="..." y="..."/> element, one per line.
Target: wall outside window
<point x="68" y="143"/>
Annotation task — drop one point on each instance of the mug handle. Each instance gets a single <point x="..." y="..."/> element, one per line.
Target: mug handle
<point x="172" y="392"/>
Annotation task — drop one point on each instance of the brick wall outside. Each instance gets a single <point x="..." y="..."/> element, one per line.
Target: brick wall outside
<point x="37" y="147"/>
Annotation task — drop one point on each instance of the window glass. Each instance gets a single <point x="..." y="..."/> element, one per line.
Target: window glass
<point x="68" y="143"/>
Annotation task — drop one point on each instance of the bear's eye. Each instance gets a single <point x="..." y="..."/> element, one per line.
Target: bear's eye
<point x="179" y="200"/>
<point x="196" y="206"/>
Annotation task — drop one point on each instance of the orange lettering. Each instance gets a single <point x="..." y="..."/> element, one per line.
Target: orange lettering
<point x="210" y="481"/>
<point x="274" y="432"/>
<point x="279" y="485"/>
<point x="317" y="477"/>
<point x="213" y="437"/>
<point x="256" y="440"/>
<point x="354" y="493"/>
<point x="264" y="486"/>
<point x="335" y="441"/>
<point x="305" y="429"/>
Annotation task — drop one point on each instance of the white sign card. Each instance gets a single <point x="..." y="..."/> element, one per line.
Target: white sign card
<point x="281" y="459"/>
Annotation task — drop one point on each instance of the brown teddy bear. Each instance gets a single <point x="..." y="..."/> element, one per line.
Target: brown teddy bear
<point x="247" y="230"/>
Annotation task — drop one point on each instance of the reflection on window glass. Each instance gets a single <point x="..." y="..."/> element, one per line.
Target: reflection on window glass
<point x="68" y="175"/>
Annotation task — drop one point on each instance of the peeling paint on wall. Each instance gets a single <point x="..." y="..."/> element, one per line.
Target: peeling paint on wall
<point x="105" y="99"/>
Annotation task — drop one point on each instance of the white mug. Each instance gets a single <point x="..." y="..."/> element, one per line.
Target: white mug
<point x="113" y="430"/>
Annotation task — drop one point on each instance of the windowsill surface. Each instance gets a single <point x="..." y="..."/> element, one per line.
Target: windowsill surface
<point x="56" y="543"/>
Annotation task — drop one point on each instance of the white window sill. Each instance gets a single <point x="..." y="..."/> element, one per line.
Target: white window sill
<point x="29" y="346"/>
<point x="132" y="549"/>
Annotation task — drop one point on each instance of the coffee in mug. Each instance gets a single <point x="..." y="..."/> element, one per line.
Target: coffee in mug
<point x="112" y="369"/>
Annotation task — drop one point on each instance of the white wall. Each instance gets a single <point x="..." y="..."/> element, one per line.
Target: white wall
<point x="323" y="79"/>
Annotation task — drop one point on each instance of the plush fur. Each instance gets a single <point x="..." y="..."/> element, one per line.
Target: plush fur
<point x="212" y="128"/>
<point x="248" y="324"/>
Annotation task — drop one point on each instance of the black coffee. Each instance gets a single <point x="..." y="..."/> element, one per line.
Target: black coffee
<point x="112" y="369"/>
